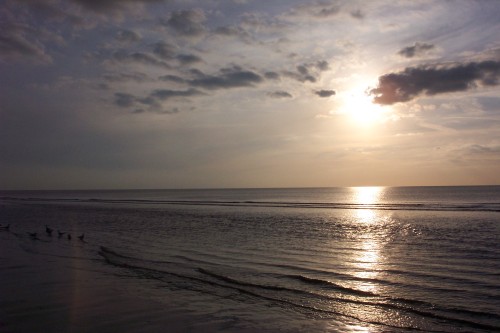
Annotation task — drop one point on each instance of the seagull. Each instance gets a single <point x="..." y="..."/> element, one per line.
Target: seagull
<point x="81" y="236"/>
<point x="48" y="230"/>
<point x="60" y="233"/>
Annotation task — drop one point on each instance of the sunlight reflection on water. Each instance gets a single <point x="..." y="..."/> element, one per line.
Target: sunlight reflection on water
<point x="367" y="195"/>
<point x="367" y="261"/>
<point x="358" y="329"/>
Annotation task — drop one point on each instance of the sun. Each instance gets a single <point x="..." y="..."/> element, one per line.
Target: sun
<point x="357" y="105"/>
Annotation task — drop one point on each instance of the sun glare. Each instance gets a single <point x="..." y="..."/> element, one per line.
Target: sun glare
<point x="357" y="105"/>
<point x="367" y="195"/>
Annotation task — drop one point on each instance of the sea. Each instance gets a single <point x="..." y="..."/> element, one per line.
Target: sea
<point x="353" y="259"/>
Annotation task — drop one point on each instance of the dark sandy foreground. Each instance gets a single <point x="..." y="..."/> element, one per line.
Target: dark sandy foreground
<point x="46" y="293"/>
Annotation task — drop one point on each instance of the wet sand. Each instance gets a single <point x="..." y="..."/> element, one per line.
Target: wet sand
<point x="45" y="293"/>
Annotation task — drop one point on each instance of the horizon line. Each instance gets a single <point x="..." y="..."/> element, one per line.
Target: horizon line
<point x="235" y="188"/>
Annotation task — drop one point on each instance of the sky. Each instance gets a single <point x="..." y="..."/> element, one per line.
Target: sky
<point x="118" y="94"/>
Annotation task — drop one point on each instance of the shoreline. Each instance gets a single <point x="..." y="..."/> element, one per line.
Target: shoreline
<point x="46" y="293"/>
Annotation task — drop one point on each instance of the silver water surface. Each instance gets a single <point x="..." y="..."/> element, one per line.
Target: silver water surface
<point x="351" y="259"/>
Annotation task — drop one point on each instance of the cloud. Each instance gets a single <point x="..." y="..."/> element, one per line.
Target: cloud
<point x="172" y="78"/>
<point x="139" y="57"/>
<point x="417" y="49"/>
<point x="279" y="94"/>
<point x="317" y="10"/>
<point x="187" y="23"/>
<point x="484" y="150"/>
<point x="234" y="31"/>
<point x="124" y="100"/>
<point x="308" y="72"/>
<point x="477" y="152"/>
<point x="126" y="77"/>
<point x="164" y="50"/>
<point x="128" y="36"/>
<point x="164" y="94"/>
<point x="106" y="6"/>
<point x="188" y="59"/>
<point x="15" y="46"/>
<point x="160" y="111"/>
<point x="327" y="11"/>
<point x="231" y="77"/>
<point x="272" y="75"/>
<point x="358" y="14"/>
<point x="31" y="11"/>
<point x="237" y="77"/>
<point x="22" y="41"/>
<point x="153" y="102"/>
<point x="167" y="51"/>
<point x="325" y="93"/>
<point x="435" y="79"/>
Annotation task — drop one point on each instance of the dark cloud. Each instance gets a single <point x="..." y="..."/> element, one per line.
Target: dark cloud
<point x="164" y="50"/>
<point x="139" y="57"/>
<point x="110" y="5"/>
<point x="14" y="46"/>
<point x="30" y="11"/>
<point x="128" y="36"/>
<point x="325" y="93"/>
<point x="322" y="65"/>
<point x="159" y="111"/>
<point x="187" y="22"/>
<point x="271" y="76"/>
<point x="416" y="50"/>
<point x="100" y="5"/>
<point x="436" y="79"/>
<point x="124" y="100"/>
<point x="232" y="77"/>
<point x="172" y="78"/>
<point x="20" y="40"/>
<point x="358" y="14"/>
<point x="484" y="150"/>
<point x="308" y="72"/>
<point x="188" y="59"/>
<point x="327" y="11"/>
<point x="196" y="72"/>
<point x="53" y="11"/>
<point x="233" y="31"/>
<point x="228" y="31"/>
<point x="299" y="76"/>
<point x="164" y="94"/>
<point x="126" y="77"/>
<point x="153" y="102"/>
<point x="167" y="51"/>
<point x="279" y="94"/>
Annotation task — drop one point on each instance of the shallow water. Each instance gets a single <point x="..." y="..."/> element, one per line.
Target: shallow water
<point x="329" y="259"/>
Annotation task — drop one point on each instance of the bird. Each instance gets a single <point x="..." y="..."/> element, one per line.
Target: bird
<point x="6" y="228"/>
<point x="81" y="236"/>
<point x="32" y="234"/>
<point x="69" y="236"/>
<point x="48" y="230"/>
<point x="60" y="233"/>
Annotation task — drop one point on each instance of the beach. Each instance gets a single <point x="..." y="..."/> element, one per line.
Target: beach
<point x="60" y="293"/>
<point x="324" y="260"/>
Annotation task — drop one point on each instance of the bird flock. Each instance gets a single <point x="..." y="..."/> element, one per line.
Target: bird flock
<point x="48" y="231"/>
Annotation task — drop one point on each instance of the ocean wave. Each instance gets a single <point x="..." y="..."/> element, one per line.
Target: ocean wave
<point x="308" y="299"/>
<point x="332" y="285"/>
<point x="479" y="207"/>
